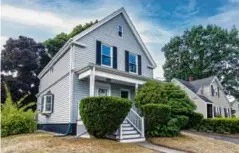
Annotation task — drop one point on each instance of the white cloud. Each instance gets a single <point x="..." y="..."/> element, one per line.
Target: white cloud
<point x="39" y="18"/>
<point x="3" y="41"/>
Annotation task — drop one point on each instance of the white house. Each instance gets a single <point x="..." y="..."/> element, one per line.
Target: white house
<point x="208" y="95"/>
<point x="107" y="59"/>
<point x="235" y="107"/>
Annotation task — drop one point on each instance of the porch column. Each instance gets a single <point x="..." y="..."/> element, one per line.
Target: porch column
<point x="136" y="88"/>
<point x="92" y="82"/>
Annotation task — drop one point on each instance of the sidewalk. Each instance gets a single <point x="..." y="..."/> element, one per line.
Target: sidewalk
<point x="149" y="145"/>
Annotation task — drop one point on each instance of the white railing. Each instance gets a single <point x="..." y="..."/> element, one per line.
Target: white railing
<point x="136" y="120"/>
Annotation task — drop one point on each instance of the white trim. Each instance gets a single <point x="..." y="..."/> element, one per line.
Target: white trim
<point x="92" y="82"/>
<point x="128" y="90"/>
<point x="44" y="104"/>
<point x="84" y="74"/>
<point x="117" y="77"/>
<point x="108" y="18"/>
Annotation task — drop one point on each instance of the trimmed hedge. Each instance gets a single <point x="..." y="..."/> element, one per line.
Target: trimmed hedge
<point x="103" y="115"/>
<point x="220" y="125"/>
<point x="194" y="120"/>
<point x="155" y="114"/>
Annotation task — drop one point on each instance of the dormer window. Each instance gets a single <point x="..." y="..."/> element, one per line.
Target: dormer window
<point x="106" y="55"/>
<point x="120" y="31"/>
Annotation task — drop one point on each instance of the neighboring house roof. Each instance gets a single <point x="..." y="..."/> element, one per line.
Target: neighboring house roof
<point x="194" y="86"/>
<point x="93" y="27"/>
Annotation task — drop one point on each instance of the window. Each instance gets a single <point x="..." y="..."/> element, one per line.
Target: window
<point x="47" y="103"/>
<point x="120" y="31"/>
<point x="106" y="55"/>
<point x="124" y="93"/>
<point x="212" y="90"/>
<point x="132" y="63"/>
<point x="102" y="92"/>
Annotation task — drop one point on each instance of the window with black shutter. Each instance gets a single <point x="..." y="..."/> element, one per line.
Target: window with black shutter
<point x="212" y="90"/>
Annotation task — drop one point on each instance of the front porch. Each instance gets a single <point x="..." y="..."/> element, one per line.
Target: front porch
<point x="107" y="82"/>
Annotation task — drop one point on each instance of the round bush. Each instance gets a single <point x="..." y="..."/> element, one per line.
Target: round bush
<point x="155" y="114"/>
<point x="103" y="115"/>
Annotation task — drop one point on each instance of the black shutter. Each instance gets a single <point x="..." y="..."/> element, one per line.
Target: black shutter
<point x="139" y="65"/>
<point x="114" y="57"/>
<point x="127" y="61"/>
<point x="98" y="52"/>
<point x="52" y="109"/>
<point x="218" y="91"/>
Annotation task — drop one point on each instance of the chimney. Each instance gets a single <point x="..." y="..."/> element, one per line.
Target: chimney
<point x="190" y="78"/>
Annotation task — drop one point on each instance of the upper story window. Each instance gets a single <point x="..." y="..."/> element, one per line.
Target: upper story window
<point x="212" y="90"/>
<point x="120" y="31"/>
<point x="106" y="55"/>
<point x="132" y="63"/>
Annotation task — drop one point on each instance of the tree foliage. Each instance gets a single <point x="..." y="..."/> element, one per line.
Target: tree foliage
<point x="53" y="45"/>
<point x="21" y="60"/>
<point x="203" y="52"/>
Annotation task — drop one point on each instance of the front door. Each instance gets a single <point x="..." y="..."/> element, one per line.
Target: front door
<point x="209" y="110"/>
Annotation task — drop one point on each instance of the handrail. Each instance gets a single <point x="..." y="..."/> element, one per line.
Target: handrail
<point x="136" y="121"/>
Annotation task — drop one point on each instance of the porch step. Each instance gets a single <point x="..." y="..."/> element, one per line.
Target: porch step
<point x="131" y="136"/>
<point x="132" y="140"/>
<point x="127" y="128"/>
<point x="130" y="132"/>
<point x="126" y="125"/>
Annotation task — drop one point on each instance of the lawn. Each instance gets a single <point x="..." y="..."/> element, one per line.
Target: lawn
<point x="45" y="142"/>
<point x="197" y="144"/>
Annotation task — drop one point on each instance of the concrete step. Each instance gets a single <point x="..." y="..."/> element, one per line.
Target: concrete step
<point x="127" y="128"/>
<point x="131" y="136"/>
<point x="130" y="132"/>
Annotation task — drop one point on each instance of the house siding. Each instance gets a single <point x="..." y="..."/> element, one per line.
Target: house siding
<point x="60" y="68"/>
<point x="61" y="103"/>
<point x="220" y="101"/>
<point x="201" y="105"/>
<point x="108" y="34"/>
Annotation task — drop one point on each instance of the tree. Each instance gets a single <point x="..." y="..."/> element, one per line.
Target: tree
<point x="53" y="45"/>
<point x="21" y="60"/>
<point x="203" y="52"/>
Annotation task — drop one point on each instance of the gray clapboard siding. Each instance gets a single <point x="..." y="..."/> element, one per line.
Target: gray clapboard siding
<point x="61" y="103"/>
<point x="60" y="68"/>
<point x="107" y="33"/>
<point x="81" y="90"/>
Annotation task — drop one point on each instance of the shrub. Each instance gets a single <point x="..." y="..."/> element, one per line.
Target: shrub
<point x="14" y="119"/>
<point x="194" y="120"/>
<point x="103" y="115"/>
<point x="155" y="114"/>
<point x="169" y="129"/>
<point x="170" y="96"/>
<point x="220" y="125"/>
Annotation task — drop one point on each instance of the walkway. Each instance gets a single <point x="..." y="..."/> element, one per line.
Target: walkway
<point x="149" y="145"/>
<point x="218" y="137"/>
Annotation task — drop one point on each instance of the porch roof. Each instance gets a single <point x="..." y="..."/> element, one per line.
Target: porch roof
<point x="111" y="74"/>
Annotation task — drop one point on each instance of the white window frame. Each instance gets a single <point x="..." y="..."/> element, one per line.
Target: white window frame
<point x="100" y="85"/>
<point x="111" y="55"/>
<point x="129" y="93"/>
<point x="44" y="111"/>
<point x="136" y="63"/>
<point x="121" y="30"/>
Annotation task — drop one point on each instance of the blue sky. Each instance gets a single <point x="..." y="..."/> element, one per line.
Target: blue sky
<point x="156" y="20"/>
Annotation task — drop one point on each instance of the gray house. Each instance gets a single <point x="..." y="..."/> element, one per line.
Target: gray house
<point x="208" y="95"/>
<point x="107" y="59"/>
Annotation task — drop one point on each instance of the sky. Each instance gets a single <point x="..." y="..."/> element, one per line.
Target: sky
<point x="156" y="20"/>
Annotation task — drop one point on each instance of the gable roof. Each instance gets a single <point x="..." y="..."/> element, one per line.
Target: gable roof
<point x="108" y="18"/>
<point x="194" y="86"/>
<point x="74" y="39"/>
